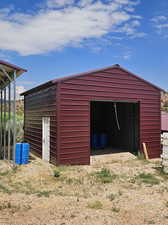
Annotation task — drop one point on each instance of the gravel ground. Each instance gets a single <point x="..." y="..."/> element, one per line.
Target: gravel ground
<point x="117" y="189"/>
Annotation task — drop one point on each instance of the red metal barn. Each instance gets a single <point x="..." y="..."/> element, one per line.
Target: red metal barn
<point x="63" y="115"/>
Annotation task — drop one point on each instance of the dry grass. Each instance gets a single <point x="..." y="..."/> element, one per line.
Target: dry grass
<point x="118" y="189"/>
<point x="95" y="205"/>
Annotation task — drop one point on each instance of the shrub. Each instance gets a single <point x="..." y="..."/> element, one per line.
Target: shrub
<point x="111" y="197"/>
<point x="95" y="205"/>
<point x="44" y="193"/>
<point x="73" y="181"/>
<point x="116" y="210"/>
<point x="148" y="178"/>
<point x="105" y="176"/>
<point x="57" y="173"/>
<point x="4" y="189"/>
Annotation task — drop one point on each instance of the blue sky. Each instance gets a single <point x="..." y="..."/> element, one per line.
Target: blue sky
<point x="54" y="38"/>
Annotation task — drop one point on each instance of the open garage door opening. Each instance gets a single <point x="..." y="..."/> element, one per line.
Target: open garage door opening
<point x="114" y="127"/>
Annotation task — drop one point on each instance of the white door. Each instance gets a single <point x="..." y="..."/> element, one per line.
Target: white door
<point x="46" y="139"/>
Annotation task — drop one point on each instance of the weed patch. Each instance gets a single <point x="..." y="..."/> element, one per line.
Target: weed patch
<point x="25" y="187"/>
<point x="44" y="194"/>
<point x="116" y="210"/>
<point x="95" y="205"/>
<point x="57" y="173"/>
<point x="73" y="181"/>
<point x="161" y="173"/>
<point x="4" y="189"/>
<point x="151" y="222"/>
<point x="147" y="178"/>
<point x="5" y="173"/>
<point x="105" y="176"/>
<point x="112" y="197"/>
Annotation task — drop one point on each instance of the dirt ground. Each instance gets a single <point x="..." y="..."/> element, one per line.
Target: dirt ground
<point x="117" y="189"/>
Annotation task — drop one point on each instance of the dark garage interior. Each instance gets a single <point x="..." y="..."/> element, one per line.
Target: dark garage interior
<point x="114" y="127"/>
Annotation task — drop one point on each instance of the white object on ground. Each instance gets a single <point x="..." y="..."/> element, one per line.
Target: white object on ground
<point x="164" y="155"/>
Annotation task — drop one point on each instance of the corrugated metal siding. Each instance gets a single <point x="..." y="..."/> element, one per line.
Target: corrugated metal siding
<point x="115" y="84"/>
<point x="37" y="105"/>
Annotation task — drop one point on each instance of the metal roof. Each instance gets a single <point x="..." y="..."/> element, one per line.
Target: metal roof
<point x="62" y="79"/>
<point x="164" y="121"/>
<point x="6" y="72"/>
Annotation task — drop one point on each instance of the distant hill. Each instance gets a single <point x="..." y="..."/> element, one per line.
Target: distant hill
<point x="164" y="102"/>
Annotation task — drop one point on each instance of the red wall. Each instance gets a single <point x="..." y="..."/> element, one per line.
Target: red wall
<point x="39" y="104"/>
<point x="75" y="94"/>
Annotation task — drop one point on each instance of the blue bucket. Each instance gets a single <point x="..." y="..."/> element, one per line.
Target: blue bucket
<point x="18" y="154"/>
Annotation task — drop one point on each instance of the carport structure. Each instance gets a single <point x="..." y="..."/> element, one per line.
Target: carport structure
<point x="8" y="75"/>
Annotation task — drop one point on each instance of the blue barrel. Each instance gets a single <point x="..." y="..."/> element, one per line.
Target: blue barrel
<point x="18" y="154"/>
<point x="95" y="141"/>
<point x="103" y="140"/>
<point x="25" y="153"/>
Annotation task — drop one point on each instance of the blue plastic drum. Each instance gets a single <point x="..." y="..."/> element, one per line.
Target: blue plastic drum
<point x="25" y="153"/>
<point x="103" y="140"/>
<point x="95" y="141"/>
<point x="18" y="154"/>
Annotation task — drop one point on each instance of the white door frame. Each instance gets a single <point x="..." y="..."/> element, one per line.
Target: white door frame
<point x="46" y="138"/>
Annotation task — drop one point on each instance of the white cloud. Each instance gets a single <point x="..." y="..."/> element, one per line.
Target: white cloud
<point x="129" y="9"/>
<point x="158" y="19"/>
<point x="5" y="11"/>
<point x="162" y="26"/>
<point x="59" y="3"/>
<point x="83" y="3"/>
<point x="160" y="23"/>
<point x="135" y="23"/>
<point x="130" y="29"/>
<point x="19" y="90"/>
<point x="127" y="2"/>
<point x="127" y="55"/>
<point x="52" y="29"/>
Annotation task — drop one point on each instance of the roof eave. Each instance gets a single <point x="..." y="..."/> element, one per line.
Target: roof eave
<point x="37" y="88"/>
<point x="13" y="66"/>
<point x="140" y="78"/>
